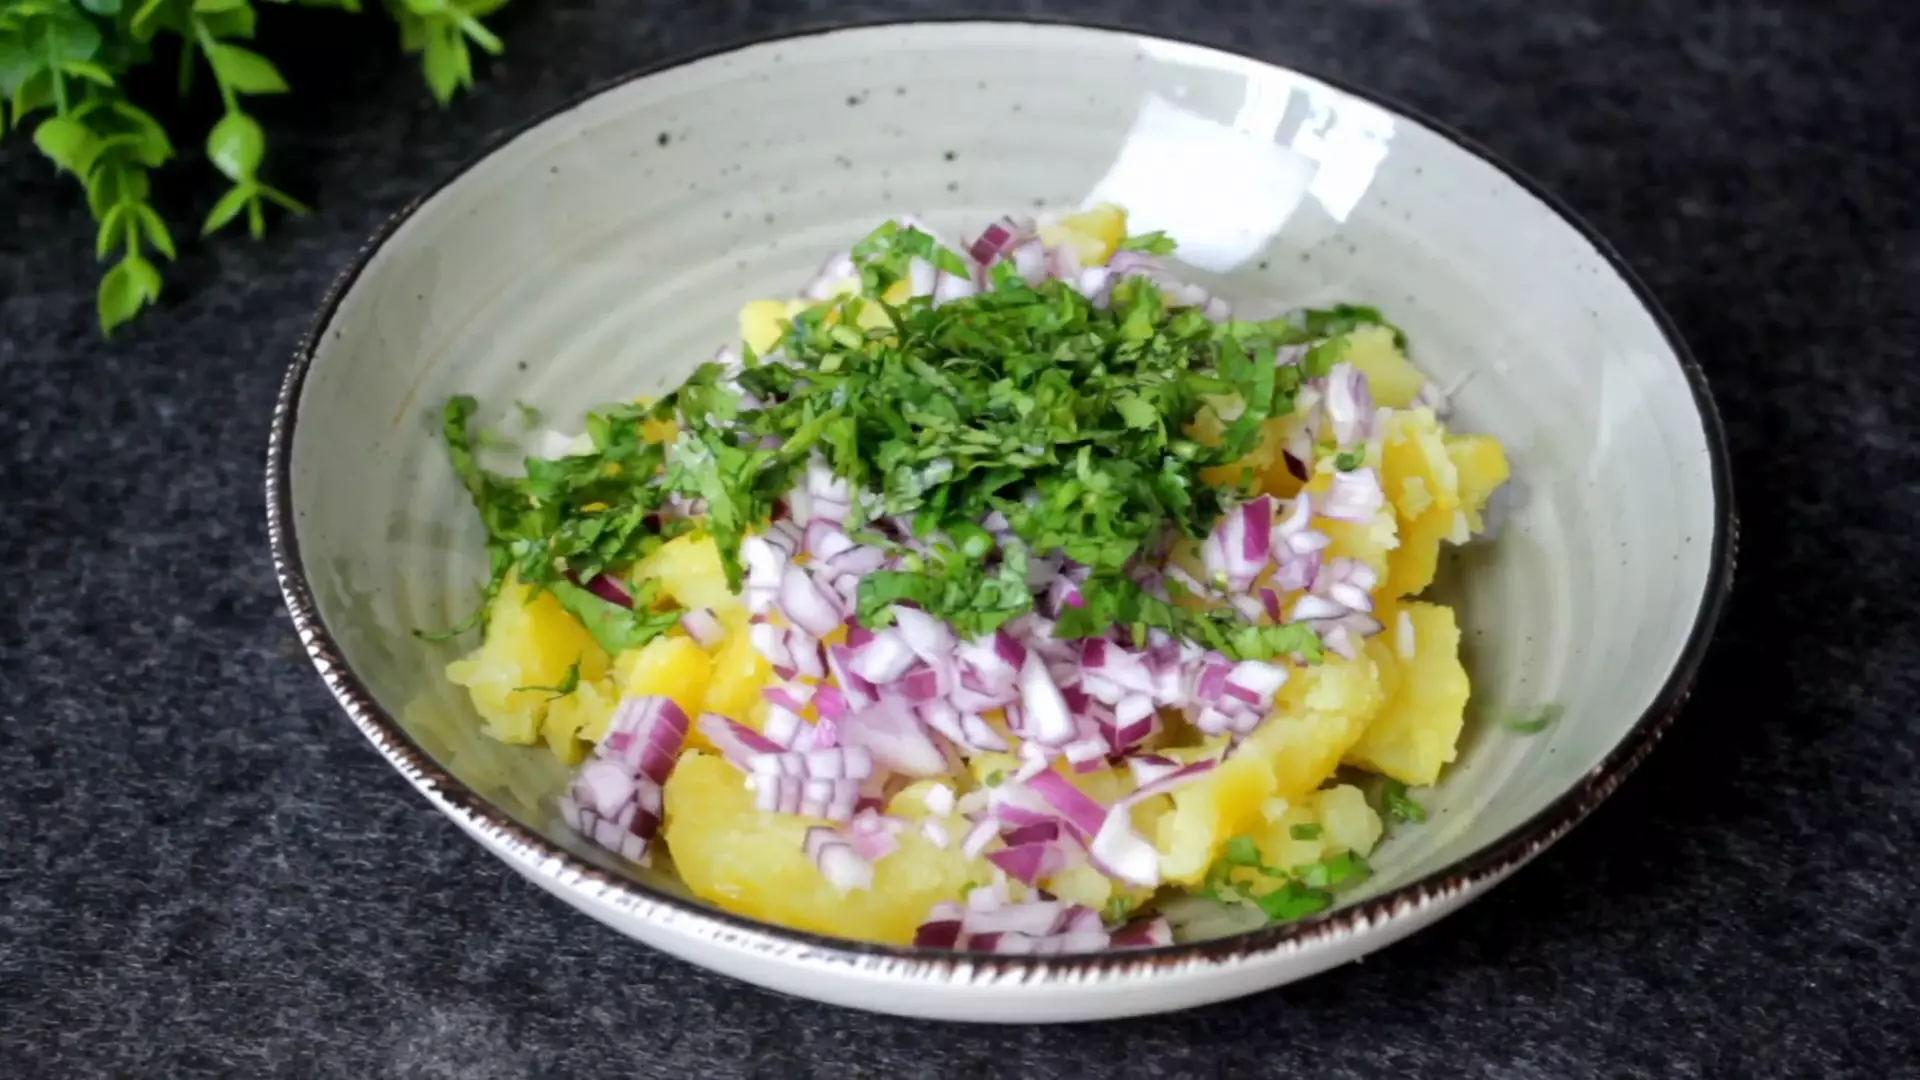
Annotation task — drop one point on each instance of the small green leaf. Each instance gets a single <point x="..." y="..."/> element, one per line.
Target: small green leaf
<point x="482" y="36"/>
<point x="35" y="92"/>
<point x="233" y="24"/>
<point x="146" y="19"/>
<point x="230" y="205"/>
<point x="155" y="230"/>
<point x="121" y="295"/>
<point x="1349" y="460"/>
<point x="284" y="200"/>
<point x="425" y="8"/>
<point x="441" y="62"/>
<point x="67" y="39"/>
<point x="102" y="190"/>
<point x="16" y="63"/>
<point x="88" y="70"/>
<point x="1306" y="830"/>
<point x="212" y="7"/>
<point x="235" y="146"/>
<point x="68" y="143"/>
<point x="146" y="276"/>
<point x="110" y="233"/>
<point x="102" y="7"/>
<point x="245" y="71"/>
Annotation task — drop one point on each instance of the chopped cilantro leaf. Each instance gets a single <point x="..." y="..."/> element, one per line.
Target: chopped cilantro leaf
<point x="1306" y="830"/>
<point x="1293" y="900"/>
<point x="565" y="686"/>
<point x="1117" y="910"/>
<point x="1024" y="402"/>
<point x="1399" y="807"/>
<point x="1349" y="460"/>
<point x="1241" y="851"/>
<point x="1534" y="721"/>
<point x="615" y="628"/>
<point x="1153" y="243"/>
<point x="996" y="777"/>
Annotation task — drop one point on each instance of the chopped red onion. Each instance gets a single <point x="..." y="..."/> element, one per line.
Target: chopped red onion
<point x="1048" y="720"/>
<point x="1146" y="933"/>
<point x="837" y="860"/>
<point x="616" y="797"/>
<point x="804" y="605"/>
<point x="1349" y="404"/>
<point x="1081" y="813"/>
<point x="1353" y="496"/>
<point x="738" y="742"/>
<point x="703" y="627"/>
<point x="881" y="659"/>
<point x="897" y="739"/>
<point x="611" y="589"/>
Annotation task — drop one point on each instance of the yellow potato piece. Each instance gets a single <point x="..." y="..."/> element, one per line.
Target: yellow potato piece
<point x="1423" y="487"/>
<point x="670" y="667"/>
<point x="1393" y="381"/>
<point x="1482" y="467"/>
<point x="531" y="641"/>
<point x="580" y="719"/>
<point x="1415" y="734"/>
<point x="753" y="863"/>
<point x="1093" y="234"/>
<point x="764" y="322"/>
<point x="689" y="570"/>
<point x="739" y="674"/>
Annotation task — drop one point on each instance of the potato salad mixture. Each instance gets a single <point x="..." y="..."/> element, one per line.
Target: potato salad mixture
<point x="1012" y="597"/>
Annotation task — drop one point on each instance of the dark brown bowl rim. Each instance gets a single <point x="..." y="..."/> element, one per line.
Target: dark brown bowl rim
<point x="1485" y="865"/>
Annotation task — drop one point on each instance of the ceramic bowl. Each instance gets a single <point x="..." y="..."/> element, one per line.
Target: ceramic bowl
<point x="602" y="251"/>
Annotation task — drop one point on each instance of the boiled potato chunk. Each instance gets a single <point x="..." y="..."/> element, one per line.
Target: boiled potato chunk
<point x="689" y="570"/>
<point x="1093" y="234"/>
<point x="1423" y="487"/>
<point x="1414" y="735"/>
<point x="531" y="641"/>
<point x="753" y="863"/>
<point x="739" y="674"/>
<point x="580" y="719"/>
<point x="1482" y="468"/>
<point x="1330" y="822"/>
<point x="669" y="667"/>
<point x="1319" y="714"/>
<point x="1393" y="381"/>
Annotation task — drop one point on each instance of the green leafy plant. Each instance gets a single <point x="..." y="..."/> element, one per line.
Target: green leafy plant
<point x="63" y="75"/>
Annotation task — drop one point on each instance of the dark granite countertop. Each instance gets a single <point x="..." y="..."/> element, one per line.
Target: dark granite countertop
<point x="205" y="871"/>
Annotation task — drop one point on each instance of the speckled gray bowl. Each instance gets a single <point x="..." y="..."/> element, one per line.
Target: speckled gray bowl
<point x="601" y="253"/>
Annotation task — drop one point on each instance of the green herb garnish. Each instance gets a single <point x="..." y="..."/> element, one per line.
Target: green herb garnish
<point x="1349" y="460"/>
<point x="1306" y="830"/>
<point x="1024" y="401"/>
<point x="1399" y="807"/>
<point x="1242" y="851"/>
<point x="1534" y="721"/>
<point x="1302" y="891"/>
<point x="571" y="519"/>
<point x="996" y="777"/>
<point x="1021" y="402"/>
<point x="565" y="686"/>
<point x="1153" y="243"/>
<point x="1116" y="910"/>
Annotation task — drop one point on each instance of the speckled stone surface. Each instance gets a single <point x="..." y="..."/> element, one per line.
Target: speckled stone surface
<point x="204" y="872"/>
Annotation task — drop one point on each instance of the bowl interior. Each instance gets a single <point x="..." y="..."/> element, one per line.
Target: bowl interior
<point x="603" y="253"/>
